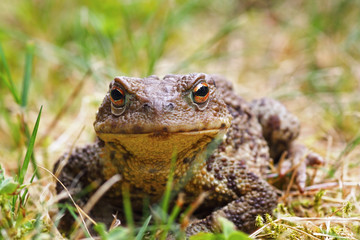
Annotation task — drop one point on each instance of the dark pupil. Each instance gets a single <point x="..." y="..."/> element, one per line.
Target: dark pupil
<point x="202" y="91"/>
<point x="116" y="94"/>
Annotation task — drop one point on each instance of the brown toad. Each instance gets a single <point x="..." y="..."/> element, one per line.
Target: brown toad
<point x="221" y="144"/>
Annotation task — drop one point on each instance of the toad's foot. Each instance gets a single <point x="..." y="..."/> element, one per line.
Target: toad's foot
<point x="280" y="129"/>
<point x="299" y="158"/>
<point x="259" y="199"/>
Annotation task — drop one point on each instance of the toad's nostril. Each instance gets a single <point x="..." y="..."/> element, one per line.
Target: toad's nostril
<point x="147" y="107"/>
<point x="158" y="107"/>
<point x="169" y="107"/>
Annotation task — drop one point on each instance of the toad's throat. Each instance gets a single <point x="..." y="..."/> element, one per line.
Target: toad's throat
<point x="144" y="160"/>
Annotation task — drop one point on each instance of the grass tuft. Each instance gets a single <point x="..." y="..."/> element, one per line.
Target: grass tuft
<point x="143" y="229"/>
<point x="6" y="78"/>
<point x="27" y="73"/>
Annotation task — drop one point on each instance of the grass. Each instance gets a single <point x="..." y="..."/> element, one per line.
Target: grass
<point x="304" y="53"/>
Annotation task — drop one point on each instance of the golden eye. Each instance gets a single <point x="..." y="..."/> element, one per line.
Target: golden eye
<point x="200" y="93"/>
<point x="117" y="96"/>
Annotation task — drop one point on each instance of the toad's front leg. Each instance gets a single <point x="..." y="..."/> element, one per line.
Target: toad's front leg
<point x="255" y="197"/>
<point x="280" y="129"/>
<point x="79" y="172"/>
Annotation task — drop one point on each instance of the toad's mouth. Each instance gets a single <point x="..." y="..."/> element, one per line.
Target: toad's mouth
<point x="158" y="127"/>
<point x="160" y="145"/>
<point x="160" y="133"/>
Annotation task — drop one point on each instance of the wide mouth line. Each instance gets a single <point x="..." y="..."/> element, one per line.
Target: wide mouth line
<point x="191" y="132"/>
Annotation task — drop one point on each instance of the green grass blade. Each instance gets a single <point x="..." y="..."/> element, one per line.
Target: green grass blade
<point x="27" y="73"/>
<point x="12" y="125"/>
<point x="29" y="149"/>
<point x="166" y="197"/>
<point x="33" y="160"/>
<point x="23" y="196"/>
<point x="34" y="164"/>
<point x="156" y="50"/>
<point x="77" y="219"/>
<point x="129" y="32"/>
<point x="9" y="83"/>
<point x="142" y="230"/>
<point x="3" y="79"/>
<point x="203" y="51"/>
<point x="127" y="208"/>
<point x="349" y="147"/>
<point x="174" y="214"/>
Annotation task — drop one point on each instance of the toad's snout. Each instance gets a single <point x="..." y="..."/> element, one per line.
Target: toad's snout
<point x="158" y="107"/>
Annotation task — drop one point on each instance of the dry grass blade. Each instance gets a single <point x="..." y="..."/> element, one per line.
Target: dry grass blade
<point x="292" y="179"/>
<point x="320" y="219"/>
<point x="81" y="212"/>
<point x="290" y="219"/>
<point x="115" y="223"/>
<point x="100" y="192"/>
<point x="65" y="107"/>
<point x="64" y="161"/>
<point x="200" y="199"/>
<point x="302" y="232"/>
<point x="281" y="161"/>
<point x="95" y="198"/>
<point x="257" y="232"/>
<point x="330" y="185"/>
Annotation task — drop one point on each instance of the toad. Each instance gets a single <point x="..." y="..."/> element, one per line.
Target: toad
<point x="195" y="124"/>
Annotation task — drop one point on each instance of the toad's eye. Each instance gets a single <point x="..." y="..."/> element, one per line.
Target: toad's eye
<point x="117" y="96"/>
<point x="200" y="93"/>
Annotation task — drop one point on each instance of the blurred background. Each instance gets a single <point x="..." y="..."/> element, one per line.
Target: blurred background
<point x="62" y="54"/>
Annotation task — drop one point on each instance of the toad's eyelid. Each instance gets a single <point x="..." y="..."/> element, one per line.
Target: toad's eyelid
<point x="123" y="83"/>
<point x="196" y="83"/>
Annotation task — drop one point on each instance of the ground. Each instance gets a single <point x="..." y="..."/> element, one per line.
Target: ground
<point x="303" y="53"/>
